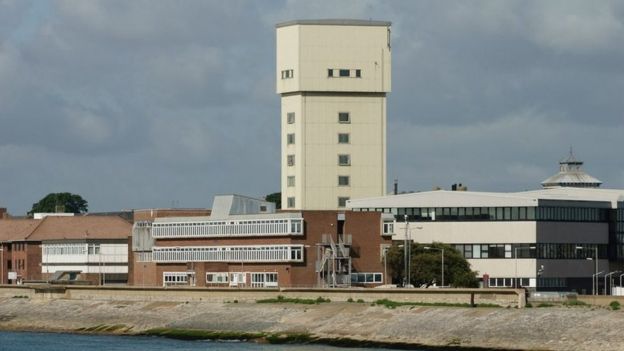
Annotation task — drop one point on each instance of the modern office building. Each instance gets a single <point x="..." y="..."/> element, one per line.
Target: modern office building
<point x="245" y="243"/>
<point x="333" y="77"/>
<point x="542" y="238"/>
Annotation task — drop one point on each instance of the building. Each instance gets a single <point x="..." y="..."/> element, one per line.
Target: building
<point x="78" y="248"/>
<point x="245" y="243"/>
<point x="151" y="213"/>
<point x="539" y="239"/>
<point x="333" y="77"/>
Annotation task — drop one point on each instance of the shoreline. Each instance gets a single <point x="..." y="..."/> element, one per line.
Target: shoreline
<point x="347" y="324"/>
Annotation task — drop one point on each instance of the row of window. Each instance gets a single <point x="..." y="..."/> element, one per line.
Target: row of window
<point x="366" y="278"/>
<point x="343" y="117"/>
<point x="508" y="282"/>
<point x="343" y="138"/>
<point x="17" y="247"/>
<point x="266" y="227"/>
<point x="344" y="73"/>
<point x="273" y="253"/>
<point x="538" y="251"/>
<point x="343" y="160"/>
<point x="542" y="213"/>
<point x="288" y="73"/>
<point x="342" y="181"/>
<point x="70" y="249"/>
<point x="342" y="201"/>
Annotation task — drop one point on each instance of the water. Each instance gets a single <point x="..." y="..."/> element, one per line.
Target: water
<point x="14" y="341"/>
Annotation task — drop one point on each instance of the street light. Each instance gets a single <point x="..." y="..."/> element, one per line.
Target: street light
<point x="605" y="280"/>
<point x="406" y="255"/>
<point x="595" y="275"/>
<point x="621" y="280"/>
<point x="441" y="250"/>
<point x="516" y="263"/>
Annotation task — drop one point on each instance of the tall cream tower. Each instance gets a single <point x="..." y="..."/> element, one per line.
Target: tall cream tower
<point x="333" y="77"/>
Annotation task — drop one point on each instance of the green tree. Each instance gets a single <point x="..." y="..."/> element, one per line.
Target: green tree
<point x="64" y="202"/>
<point x="426" y="266"/>
<point x="275" y="198"/>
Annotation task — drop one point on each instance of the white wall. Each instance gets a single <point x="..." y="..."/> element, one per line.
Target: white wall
<point x="469" y="232"/>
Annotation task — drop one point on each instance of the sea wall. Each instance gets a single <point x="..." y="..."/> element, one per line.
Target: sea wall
<point x="135" y="311"/>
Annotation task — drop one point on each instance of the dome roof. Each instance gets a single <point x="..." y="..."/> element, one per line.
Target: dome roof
<point x="571" y="174"/>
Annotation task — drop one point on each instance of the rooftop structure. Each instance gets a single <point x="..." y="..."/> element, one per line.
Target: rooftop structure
<point x="571" y="174"/>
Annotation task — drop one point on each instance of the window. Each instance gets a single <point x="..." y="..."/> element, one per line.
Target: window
<point x="343" y="117"/>
<point x="287" y="73"/>
<point x="290" y="138"/>
<point x="342" y="201"/>
<point x="330" y="72"/>
<point x="344" y="160"/>
<point x="296" y="226"/>
<point x="343" y="180"/>
<point x="344" y="73"/>
<point x="366" y="278"/>
<point x="216" y="278"/>
<point x="358" y="73"/>
<point x="290" y="202"/>
<point x="290" y="180"/>
<point x="388" y="228"/>
<point x="343" y="138"/>
<point x="290" y="117"/>
<point x="290" y="159"/>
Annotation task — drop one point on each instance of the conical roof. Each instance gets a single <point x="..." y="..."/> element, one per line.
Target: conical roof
<point x="571" y="174"/>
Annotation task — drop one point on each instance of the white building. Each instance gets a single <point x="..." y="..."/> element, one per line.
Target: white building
<point x="333" y="77"/>
<point x="544" y="237"/>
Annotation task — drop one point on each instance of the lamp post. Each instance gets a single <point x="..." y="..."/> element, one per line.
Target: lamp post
<point x="406" y="255"/>
<point x="2" y="266"/>
<point x="621" y="280"/>
<point x="516" y="263"/>
<point x="595" y="275"/>
<point x="442" y="251"/>
<point x="385" y="257"/>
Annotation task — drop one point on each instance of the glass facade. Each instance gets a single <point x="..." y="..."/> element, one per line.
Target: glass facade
<point x="537" y="251"/>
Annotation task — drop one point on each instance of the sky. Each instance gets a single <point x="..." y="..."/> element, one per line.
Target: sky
<point x="153" y="103"/>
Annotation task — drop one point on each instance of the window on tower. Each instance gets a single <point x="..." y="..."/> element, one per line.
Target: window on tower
<point x="290" y="117"/>
<point x="343" y="180"/>
<point x="287" y="73"/>
<point x="290" y="202"/>
<point x="290" y="180"/>
<point x="344" y="160"/>
<point x="290" y="160"/>
<point x="342" y="201"/>
<point x="343" y="117"/>
<point x="290" y="138"/>
<point x="343" y="138"/>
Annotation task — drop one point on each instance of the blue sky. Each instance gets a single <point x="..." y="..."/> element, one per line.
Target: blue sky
<point x="136" y="104"/>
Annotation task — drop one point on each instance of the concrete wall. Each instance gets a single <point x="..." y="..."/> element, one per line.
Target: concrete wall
<point x="502" y="297"/>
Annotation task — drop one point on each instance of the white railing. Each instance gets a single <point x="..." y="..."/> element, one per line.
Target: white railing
<point x="252" y="253"/>
<point x="228" y="228"/>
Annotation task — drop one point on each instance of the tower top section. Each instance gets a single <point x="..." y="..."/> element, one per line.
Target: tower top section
<point x="571" y="174"/>
<point x="333" y="56"/>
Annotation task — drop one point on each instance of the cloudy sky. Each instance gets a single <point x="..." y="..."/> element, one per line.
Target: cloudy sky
<point x="151" y="103"/>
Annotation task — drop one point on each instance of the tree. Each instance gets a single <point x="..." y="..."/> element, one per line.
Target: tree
<point x="276" y="198"/>
<point x="426" y="266"/>
<point x="63" y="202"/>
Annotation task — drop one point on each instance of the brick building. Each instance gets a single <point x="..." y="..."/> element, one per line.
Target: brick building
<point x="87" y="248"/>
<point x="246" y="243"/>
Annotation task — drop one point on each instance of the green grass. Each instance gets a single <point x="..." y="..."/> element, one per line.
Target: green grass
<point x="545" y="304"/>
<point x="575" y="303"/>
<point x="195" y="334"/>
<point x="282" y="299"/>
<point x="394" y="304"/>
<point x="615" y="305"/>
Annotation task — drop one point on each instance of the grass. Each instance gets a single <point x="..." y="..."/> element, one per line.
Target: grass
<point x="194" y="334"/>
<point x="545" y="304"/>
<point x="615" y="305"/>
<point x="103" y="328"/>
<point x="575" y="303"/>
<point x="394" y="304"/>
<point x="282" y="299"/>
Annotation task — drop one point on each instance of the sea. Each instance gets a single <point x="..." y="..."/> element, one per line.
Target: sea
<point x="27" y="341"/>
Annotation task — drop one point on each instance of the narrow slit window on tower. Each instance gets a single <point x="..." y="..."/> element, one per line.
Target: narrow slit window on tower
<point x="342" y="201"/>
<point x="290" y="180"/>
<point x="290" y="138"/>
<point x="290" y="202"/>
<point x="290" y="159"/>
<point x="330" y="72"/>
<point x="358" y="73"/>
<point x="290" y="117"/>
<point x="344" y="72"/>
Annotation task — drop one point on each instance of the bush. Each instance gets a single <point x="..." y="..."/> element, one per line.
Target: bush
<point x="360" y="301"/>
<point x="615" y="305"/>
<point x="349" y="300"/>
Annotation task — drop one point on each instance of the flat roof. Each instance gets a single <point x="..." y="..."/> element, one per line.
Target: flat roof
<point x="335" y="22"/>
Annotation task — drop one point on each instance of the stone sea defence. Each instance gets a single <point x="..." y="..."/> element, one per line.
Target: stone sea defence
<point x="357" y="318"/>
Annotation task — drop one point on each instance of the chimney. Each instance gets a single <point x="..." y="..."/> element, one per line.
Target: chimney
<point x="396" y="186"/>
<point x="3" y="213"/>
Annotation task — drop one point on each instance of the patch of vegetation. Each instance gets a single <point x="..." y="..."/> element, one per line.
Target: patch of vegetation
<point x="282" y="299"/>
<point x="528" y="305"/>
<point x="20" y="297"/>
<point x="575" y="303"/>
<point x="349" y="300"/>
<point x="394" y="304"/>
<point x="195" y="334"/>
<point x="615" y="305"/>
<point x="360" y="301"/>
<point x="301" y="338"/>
